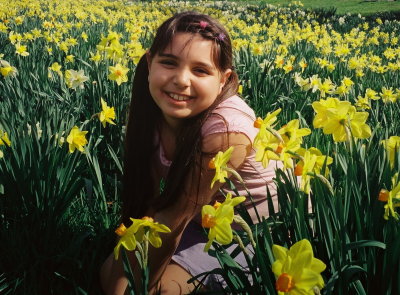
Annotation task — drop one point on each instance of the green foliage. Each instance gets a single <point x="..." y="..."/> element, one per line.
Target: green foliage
<point x="58" y="210"/>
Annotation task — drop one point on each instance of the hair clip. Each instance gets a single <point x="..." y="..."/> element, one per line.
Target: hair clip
<point x="203" y="25"/>
<point x="221" y="37"/>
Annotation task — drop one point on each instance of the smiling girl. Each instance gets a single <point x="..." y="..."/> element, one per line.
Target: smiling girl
<point x="184" y="109"/>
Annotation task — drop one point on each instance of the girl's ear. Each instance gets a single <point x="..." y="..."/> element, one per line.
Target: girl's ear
<point x="224" y="77"/>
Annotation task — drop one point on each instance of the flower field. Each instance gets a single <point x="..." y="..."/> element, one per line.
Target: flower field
<point x="327" y="91"/>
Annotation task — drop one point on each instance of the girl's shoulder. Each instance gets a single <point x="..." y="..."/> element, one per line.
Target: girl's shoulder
<point x="234" y="106"/>
<point x="231" y="115"/>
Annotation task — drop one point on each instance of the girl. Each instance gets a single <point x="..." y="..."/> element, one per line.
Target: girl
<point x="184" y="110"/>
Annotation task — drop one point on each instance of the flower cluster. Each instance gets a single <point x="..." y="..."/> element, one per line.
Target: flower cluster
<point x="340" y="119"/>
<point x="284" y="145"/>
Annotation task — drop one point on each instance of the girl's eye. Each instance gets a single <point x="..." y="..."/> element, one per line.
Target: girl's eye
<point x="168" y="62"/>
<point x="201" y="71"/>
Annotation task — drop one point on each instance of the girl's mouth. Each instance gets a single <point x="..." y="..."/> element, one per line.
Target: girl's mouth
<point x="178" y="97"/>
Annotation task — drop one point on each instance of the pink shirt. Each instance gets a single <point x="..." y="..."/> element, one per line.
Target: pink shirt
<point x="234" y="115"/>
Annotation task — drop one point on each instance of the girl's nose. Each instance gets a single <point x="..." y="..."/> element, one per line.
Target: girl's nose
<point x="182" y="78"/>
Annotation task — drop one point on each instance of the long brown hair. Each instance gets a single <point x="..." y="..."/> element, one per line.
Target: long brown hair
<point x="139" y="187"/>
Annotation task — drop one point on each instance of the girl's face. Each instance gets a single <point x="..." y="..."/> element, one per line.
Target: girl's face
<point x="183" y="79"/>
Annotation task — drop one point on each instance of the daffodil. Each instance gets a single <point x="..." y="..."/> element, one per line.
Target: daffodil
<point x="392" y="146"/>
<point x="107" y="114"/>
<point x="265" y="125"/>
<point x="326" y="87"/>
<point x="141" y="229"/>
<point x="21" y="50"/>
<point x="118" y="74"/>
<point x="219" y="163"/>
<point x="303" y="83"/>
<point x="388" y="95"/>
<point x="4" y="140"/>
<point x="75" y="79"/>
<point x="55" y="67"/>
<point x="310" y="165"/>
<point x="96" y="57"/>
<point x="218" y="219"/>
<point x="77" y="139"/>
<point x="340" y="119"/>
<point x="292" y="131"/>
<point x="7" y="70"/>
<point x="266" y="148"/>
<point x="147" y="225"/>
<point x="297" y="271"/>
<point x="392" y="199"/>
<point x="127" y="239"/>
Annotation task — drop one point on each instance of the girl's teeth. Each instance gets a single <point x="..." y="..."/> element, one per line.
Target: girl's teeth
<point x="178" y="97"/>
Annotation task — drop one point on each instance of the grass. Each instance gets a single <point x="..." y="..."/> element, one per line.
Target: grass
<point x="347" y="6"/>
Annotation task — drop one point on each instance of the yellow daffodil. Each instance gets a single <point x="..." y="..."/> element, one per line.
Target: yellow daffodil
<point x="4" y="140"/>
<point x="127" y="239"/>
<point x="77" y="139"/>
<point x="311" y="164"/>
<point x="388" y="95"/>
<point x="265" y="125"/>
<point x="340" y="119"/>
<point x="55" y="67"/>
<point x="321" y="107"/>
<point x="218" y="219"/>
<point x="137" y="232"/>
<point x="266" y="147"/>
<point x="297" y="271"/>
<point x="147" y="225"/>
<point x="303" y="65"/>
<point x="363" y="103"/>
<point x="118" y="74"/>
<point x="107" y="114"/>
<point x="392" y="199"/>
<point x="70" y="58"/>
<point x="326" y="87"/>
<point x="21" y="50"/>
<point x="7" y="70"/>
<point x="219" y="163"/>
<point x="292" y="131"/>
<point x="392" y="146"/>
<point x="95" y="57"/>
<point x="84" y="36"/>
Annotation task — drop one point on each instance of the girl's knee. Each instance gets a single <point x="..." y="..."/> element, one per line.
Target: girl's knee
<point x="174" y="281"/>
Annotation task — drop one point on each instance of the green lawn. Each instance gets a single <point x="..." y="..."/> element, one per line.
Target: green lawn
<point x="345" y="6"/>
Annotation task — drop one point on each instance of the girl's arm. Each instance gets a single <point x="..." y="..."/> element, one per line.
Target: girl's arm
<point x="188" y="206"/>
<point x="177" y="216"/>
